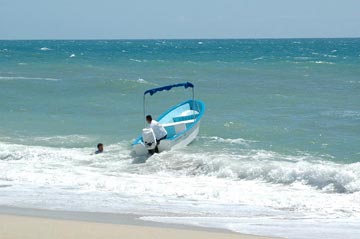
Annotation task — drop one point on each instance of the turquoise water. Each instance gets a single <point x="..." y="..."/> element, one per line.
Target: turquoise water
<point x="283" y="116"/>
<point x="288" y="95"/>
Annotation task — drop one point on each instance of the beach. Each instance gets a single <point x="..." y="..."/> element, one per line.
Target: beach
<point x="38" y="224"/>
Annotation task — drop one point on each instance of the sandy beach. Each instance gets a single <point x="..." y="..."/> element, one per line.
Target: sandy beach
<point x="32" y="223"/>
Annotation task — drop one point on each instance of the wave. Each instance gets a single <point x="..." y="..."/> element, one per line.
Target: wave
<point x="216" y="139"/>
<point x="324" y="176"/>
<point x="60" y="155"/>
<point x="132" y="82"/>
<point x="323" y="62"/>
<point x="62" y="140"/>
<point x="45" y="49"/>
<point x="265" y="166"/>
<point x="223" y="183"/>
<point x="136" y="60"/>
<point x="245" y="164"/>
<point x="27" y="78"/>
<point x="274" y="226"/>
<point x="126" y="86"/>
<point x="342" y="114"/>
<point x="142" y="81"/>
<point x="65" y="141"/>
<point x="330" y="56"/>
<point x="303" y="58"/>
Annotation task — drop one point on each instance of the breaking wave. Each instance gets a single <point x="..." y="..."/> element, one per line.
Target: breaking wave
<point x="342" y="114"/>
<point x="216" y="139"/>
<point x="248" y="183"/>
<point x="266" y="166"/>
<point x="27" y="78"/>
<point x="248" y="164"/>
<point x="45" y="49"/>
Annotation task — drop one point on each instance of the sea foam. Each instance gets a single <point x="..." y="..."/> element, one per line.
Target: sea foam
<point x="45" y="49"/>
<point x="27" y="78"/>
<point x="242" y="187"/>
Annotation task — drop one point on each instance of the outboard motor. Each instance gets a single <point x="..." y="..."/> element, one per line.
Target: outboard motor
<point x="149" y="138"/>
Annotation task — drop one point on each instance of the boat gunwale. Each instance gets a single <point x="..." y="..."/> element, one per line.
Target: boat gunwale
<point x="196" y="120"/>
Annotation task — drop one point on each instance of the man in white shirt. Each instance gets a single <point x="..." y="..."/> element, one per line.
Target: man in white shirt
<point x="159" y="131"/>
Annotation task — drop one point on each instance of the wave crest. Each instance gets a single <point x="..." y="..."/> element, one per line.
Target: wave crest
<point x="247" y="164"/>
<point x="266" y="166"/>
<point x="27" y="78"/>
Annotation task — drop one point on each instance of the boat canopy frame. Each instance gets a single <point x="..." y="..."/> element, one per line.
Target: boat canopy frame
<point x="167" y="88"/>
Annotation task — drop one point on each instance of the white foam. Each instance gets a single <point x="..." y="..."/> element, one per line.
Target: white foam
<point x="324" y="62"/>
<point x="229" y="141"/>
<point x="140" y="80"/>
<point x="273" y="226"/>
<point x="258" y="58"/>
<point x="27" y="78"/>
<point x="61" y="140"/>
<point x="135" y="60"/>
<point x="45" y="49"/>
<point x="241" y="188"/>
<point x="72" y="55"/>
<point x="56" y="141"/>
<point x="342" y="114"/>
<point x="303" y="58"/>
<point x="285" y="169"/>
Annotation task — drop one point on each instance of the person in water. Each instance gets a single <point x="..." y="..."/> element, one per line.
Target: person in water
<point x="100" y="147"/>
<point x="159" y="131"/>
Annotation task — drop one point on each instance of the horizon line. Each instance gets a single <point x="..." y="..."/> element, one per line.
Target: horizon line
<point x="162" y="39"/>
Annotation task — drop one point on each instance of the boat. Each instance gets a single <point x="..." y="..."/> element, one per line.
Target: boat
<point x="182" y="123"/>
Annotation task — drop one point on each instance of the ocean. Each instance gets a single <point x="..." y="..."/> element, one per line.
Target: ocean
<point x="278" y="152"/>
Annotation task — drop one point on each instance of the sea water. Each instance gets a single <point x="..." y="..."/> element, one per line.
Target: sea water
<point x="278" y="150"/>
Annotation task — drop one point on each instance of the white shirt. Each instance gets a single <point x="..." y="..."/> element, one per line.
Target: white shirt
<point x="158" y="129"/>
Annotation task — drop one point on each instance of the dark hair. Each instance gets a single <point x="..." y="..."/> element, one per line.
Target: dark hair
<point x="99" y="144"/>
<point x="149" y="118"/>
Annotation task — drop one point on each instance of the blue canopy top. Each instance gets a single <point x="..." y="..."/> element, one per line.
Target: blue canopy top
<point x="168" y="87"/>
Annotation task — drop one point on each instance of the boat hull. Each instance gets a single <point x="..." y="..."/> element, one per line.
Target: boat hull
<point x="176" y="139"/>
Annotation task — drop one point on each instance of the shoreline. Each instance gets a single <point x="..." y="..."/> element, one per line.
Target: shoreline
<point x="40" y="223"/>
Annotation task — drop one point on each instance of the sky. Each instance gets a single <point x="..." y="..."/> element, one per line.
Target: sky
<point x="181" y="19"/>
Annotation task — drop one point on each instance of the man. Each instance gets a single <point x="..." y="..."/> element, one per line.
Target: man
<point x="159" y="131"/>
<point x="100" y="147"/>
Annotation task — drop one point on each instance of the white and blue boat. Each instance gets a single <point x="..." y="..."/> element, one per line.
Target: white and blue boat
<point x="182" y="122"/>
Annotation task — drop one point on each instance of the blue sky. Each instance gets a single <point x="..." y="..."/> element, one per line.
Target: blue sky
<point x="159" y="19"/>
